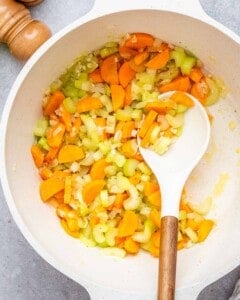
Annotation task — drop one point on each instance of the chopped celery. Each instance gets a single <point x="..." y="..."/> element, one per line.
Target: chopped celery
<point x="215" y="92"/>
<point x="187" y="65"/>
<point x="145" y="235"/>
<point x="70" y="105"/>
<point x="144" y="168"/>
<point x="124" y="114"/>
<point x="105" y="147"/>
<point x="106" y="51"/>
<point x="116" y="158"/>
<point x="110" y="236"/>
<point x="43" y="143"/>
<point x="114" y="251"/>
<point x="87" y="241"/>
<point x="182" y="215"/>
<point x="41" y="127"/>
<point x="107" y="103"/>
<point x="162" y="145"/>
<point x="110" y="124"/>
<point x="137" y="114"/>
<point x="149" y="96"/>
<point x="123" y="183"/>
<point x="176" y="121"/>
<point x="99" y="231"/>
<point x="110" y="170"/>
<point x="55" y="85"/>
<point x="178" y="54"/>
<point x="129" y="167"/>
<point x="191" y="234"/>
<point x="134" y="201"/>
<point x="155" y="134"/>
<point x="145" y="79"/>
<point x="181" y="108"/>
<point x="168" y="75"/>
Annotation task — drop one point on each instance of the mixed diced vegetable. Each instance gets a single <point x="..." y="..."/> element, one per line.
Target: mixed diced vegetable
<point x="86" y="149"/>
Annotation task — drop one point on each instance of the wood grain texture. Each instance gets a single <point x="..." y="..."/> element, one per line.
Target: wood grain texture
<point x="168" y="258"/>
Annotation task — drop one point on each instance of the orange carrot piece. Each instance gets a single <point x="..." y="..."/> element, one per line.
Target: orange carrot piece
<point x="53" y="102"/>
<point x="185" y="206"/>
<point x="136" y="178"/>
<point x="45" y="173"/>
<point x="156" y="239"/>
<point x="150" y="187"/>
<point x="70" y="153"/>
<point x="99" y="121"/>
<point x="126" y="74"/>
<point x="118" y="202"/>
<point x="131" y="246"/>
<point x="89" y="103"/>
<point x="126" y="52"/>
<point x="146" y="138"/>
<point x="149" y="119"/>
<point x="128" y="95"/>
<point x="161" y="106"/>
<point x="181" y="244"/>
<point x="196" y="74"/>
<point x="181" y="83"/>
<point x="204" y="229"/>
<point x="38" y="156"/>
<point x="118" y="96"/>
<point x="92" y="189"/>
<point x="98" y="169"/>
<point x="140" y="57"/>
<point x="193" y="224"/>
<point x="50" y="187"/>
<point x="139" y="40"/>
<point x="119" y="241"/>
<point x="200" y="91"/>
<point x="128" y="225"/>
<point x="154" y="216"/>
<point x="181" y="98"/>
<point x="55" y="135"/>
<point x="159" y="61"/>
<point x="95" y="76"/>
<point x="155" y="199"/>
<point x="94" y="219"/>
<point x="66" y="119"/>
<point x="129" y="148"/>
<point x="51" y="155"/>
<point x="109" y="69"/>
<point x="74" y="234"/>
<point x="127" y="129"/>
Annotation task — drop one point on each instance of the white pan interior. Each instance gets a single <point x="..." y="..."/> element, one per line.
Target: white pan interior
<point x="218" y="174"/>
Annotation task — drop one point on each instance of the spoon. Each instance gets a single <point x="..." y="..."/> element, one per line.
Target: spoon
<point x="172" y="170"/>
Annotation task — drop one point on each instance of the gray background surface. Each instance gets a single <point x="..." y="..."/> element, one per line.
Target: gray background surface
<point x="23" y="274"/>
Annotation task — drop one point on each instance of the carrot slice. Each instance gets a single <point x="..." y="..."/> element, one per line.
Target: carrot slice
<point x="128" y="225"/>
<point x="50" y="187"/>
<point x="129" y="148"/>
<point x="155" y="217"/>
<point x="99" y="121"/>
<point x="139" y="40"/>
<point x="149" y="119"/>
<point x="53" y="102"/>
<point x="146" y="138"/>
<point x="51" y="155"/>
<point x="98" y="169"/>
<point x="109" y="69"/>
<point x="118" y="96"/>
<point x="140" y="57"/>
<point x="181" y="98"/>
<point x="150" y="187"/>
<point x="200" y="90"/>
<point x="161" y="106"/>
<point x="126" y="74"/>
<point x="204" y="229"/>
<point x="118" y="202"/>
<point x="156" y="239"/>
<point x="181" y="83"/>
<point x="38" y="156"/>
<point x="95" y="76"/>
<point x="128" y="95"/>
<point x="70" y="153"/>
<point x="55" y="135"/>
<point x="66" y="118"/>
<point x="131" y="246"/>
<point x="159" y="61"/>
<point x="126" y="52"/>
<point x="136" y="178"/>
<point x="127" y="129"/>
<point x="91" y="190"/>
<point x="196" y="74"/>
<point x="155" y="199"/>
<point x="88" y="103"/>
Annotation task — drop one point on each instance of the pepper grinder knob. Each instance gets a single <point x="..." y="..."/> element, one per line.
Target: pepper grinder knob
<point x="19" y="31"/>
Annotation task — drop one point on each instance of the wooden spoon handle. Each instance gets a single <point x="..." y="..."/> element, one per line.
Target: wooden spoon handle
<point x="168" y="258"/>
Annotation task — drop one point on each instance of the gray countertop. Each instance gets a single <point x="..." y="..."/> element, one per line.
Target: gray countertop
<point x="25" y="275"/>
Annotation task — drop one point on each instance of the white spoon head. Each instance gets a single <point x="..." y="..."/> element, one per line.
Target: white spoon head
<point x="184" y="154"/>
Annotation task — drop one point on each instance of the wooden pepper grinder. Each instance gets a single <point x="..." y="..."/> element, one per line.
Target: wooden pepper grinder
<point x="19" y="31"/>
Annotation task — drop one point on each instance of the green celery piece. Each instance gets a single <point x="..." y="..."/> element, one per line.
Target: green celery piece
<point x="42" y="142"/>
<point x="215" y="92"/>
<point x="178" y="54"/>
<point x="41" y="127"/>
<point x="129" y="167"/>
<point x="106" y="51"/>
<point x="187" y="65"/>
<point x="70" y="105"/>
